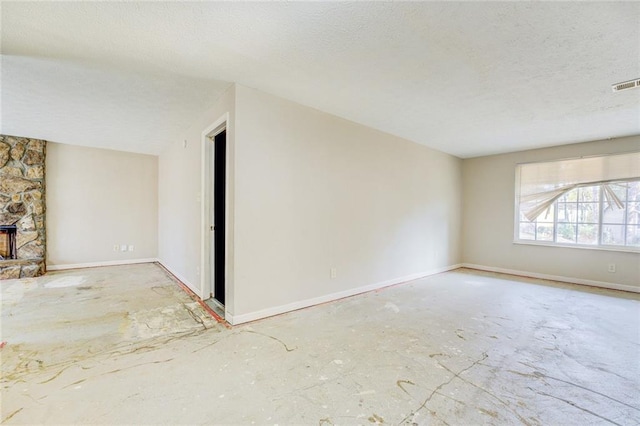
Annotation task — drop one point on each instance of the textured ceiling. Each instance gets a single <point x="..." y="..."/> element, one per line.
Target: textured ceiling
<point x="466" y="78"/>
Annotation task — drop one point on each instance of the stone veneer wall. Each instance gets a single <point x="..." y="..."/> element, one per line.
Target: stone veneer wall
<point x="22" y="202"/>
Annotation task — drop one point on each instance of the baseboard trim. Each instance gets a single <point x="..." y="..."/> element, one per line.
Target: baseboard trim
<point x="97" y="264"/>
<point x="277" y="310"/>
<point x="179" y="277"/>
<point x="193" y="295"/>
<point x="570" y="280"/>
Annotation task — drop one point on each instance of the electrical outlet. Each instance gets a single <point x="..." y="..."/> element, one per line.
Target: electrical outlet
<point x="131" y="248"/>
<point x="333" y="272"/>
<point x="611" y="267"/>
<point x="116" y="247"/>
<point x="123" y="247"/>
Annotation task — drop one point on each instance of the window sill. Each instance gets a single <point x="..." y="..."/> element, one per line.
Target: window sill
<point x="579" y="246"/>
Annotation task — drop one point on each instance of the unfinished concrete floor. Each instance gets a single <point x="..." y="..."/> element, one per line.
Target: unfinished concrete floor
<point x="124" y="345"/>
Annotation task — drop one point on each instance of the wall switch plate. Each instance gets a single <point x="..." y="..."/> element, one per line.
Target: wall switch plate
<point x="123" y="247"/>
<point x="611" y="267"/>
<point x="130" y="248"/>
<point x="333" y="273"/>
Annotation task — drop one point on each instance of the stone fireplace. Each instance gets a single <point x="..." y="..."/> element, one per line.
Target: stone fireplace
<point x="22" y="207"/>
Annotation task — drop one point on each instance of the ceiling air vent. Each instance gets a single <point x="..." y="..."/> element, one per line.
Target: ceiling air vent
<point x="631" y="84"/>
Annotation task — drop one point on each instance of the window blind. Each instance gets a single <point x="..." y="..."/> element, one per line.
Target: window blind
<point x="539" y="185"/>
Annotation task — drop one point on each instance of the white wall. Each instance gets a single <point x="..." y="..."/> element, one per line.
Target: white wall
<point x="314" y="192"/>
<point x="488" y="221"/>
<point x="309" y="192"/>
<point x="97" y="198"/>
<point x="179" y="213"/>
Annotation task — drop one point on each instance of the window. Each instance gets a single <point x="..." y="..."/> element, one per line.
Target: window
<point x="585" y="202"/>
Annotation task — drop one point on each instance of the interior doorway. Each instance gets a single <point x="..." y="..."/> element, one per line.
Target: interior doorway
<point x="219" y="220"/>
<point x="215" y="221"/>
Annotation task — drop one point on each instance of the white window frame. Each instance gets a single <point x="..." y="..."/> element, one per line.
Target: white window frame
<point x="554" y="243"/>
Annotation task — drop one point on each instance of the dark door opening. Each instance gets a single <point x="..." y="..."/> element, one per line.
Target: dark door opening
<point x="219" y="204"/>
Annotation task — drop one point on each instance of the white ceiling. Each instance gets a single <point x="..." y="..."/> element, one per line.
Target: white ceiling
<point x="466" y="78"/>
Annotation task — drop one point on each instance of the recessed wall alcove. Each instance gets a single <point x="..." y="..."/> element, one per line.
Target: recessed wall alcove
<point x="22" y="204"/>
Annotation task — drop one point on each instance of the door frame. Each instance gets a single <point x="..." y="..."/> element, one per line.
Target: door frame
<point x="206" y="248"/>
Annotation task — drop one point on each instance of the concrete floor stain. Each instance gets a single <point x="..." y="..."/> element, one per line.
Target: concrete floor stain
<point x="531" y="353"/>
